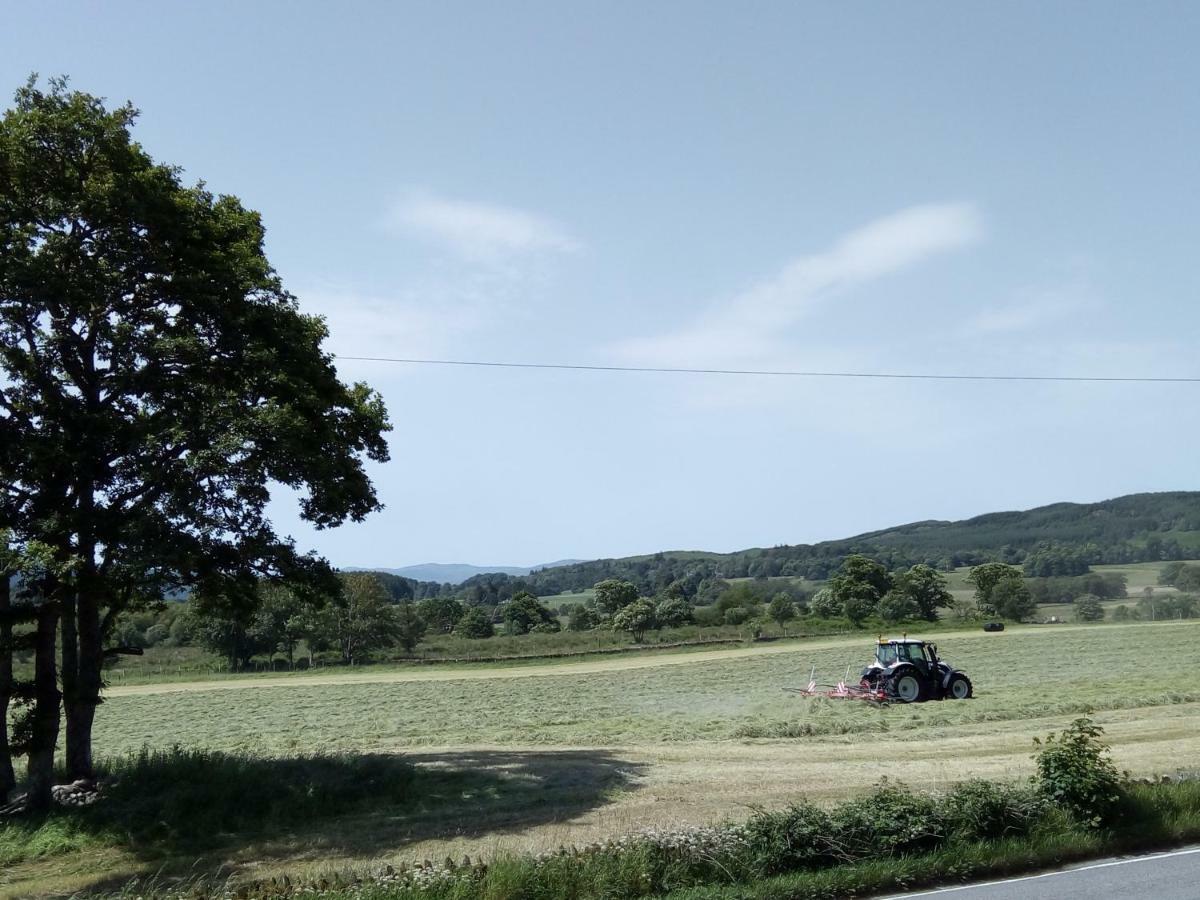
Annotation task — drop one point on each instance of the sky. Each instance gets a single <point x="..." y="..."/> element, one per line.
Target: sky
<point x="874" y="187"/>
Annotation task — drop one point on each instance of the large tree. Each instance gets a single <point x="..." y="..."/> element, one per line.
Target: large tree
<point x="925" y="588"/>
<point x="155" y="381"/>
<point x="986" y="578"/>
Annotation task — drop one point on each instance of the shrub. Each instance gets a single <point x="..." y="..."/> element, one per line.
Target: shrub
<point x="1076" y="772"/>
<point x="672" y="612"/>
<point x="825" y="605"/>
<point x="580" y="618"/>
<point x="475" y="623"/>
<point x="798" y="837"/>
<point x="1088" y="608"/>
<point x="984" y="810"/>
<point x="637" y="618"/>
<point x="890" y="821"/>
<point x="737" y="615"/>
<point x="897" y="606"/>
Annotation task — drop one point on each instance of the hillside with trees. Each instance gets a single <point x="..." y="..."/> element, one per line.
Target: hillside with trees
<point x="1062" y="539"/>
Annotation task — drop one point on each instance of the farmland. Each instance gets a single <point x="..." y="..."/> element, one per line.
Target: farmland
<point x="570" y="751"/>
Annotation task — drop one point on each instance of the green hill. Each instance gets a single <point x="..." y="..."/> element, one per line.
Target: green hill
<point x="1059" y="539"/>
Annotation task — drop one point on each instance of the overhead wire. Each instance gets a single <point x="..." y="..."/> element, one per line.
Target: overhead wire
<point x="775" y="373"/>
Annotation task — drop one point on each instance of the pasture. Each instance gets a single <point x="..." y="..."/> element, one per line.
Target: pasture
<point x="530" y="757"/>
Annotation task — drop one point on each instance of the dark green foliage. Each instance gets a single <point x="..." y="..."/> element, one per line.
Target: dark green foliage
<point x="798" y="837"/>
<point x="580" y="618"/>
<point x="523" y="614"/>
<point x="859" y="585"/>
<point x="985" y="810"/>
<point x="671" y="612"/>
<point x="896" y="606"/>
<point x="1011" y="599"/>
<point x="782" y="609"/>
<point x="440" y="613"/>
<point x="362" y="620"/>
<point x="825" y="605"/>
<point x="475" y="623"/>
<point x="613" y="594"/>
<point x="1088" y="608"/>
<point x="925" y="588"/>
<point x="1179" y="575"/>
<point x="737" y="615"/>
<point x="1075" y="772"/>
<point x="890" y="821"/>
<point x="1105" y="585"/>
<point x="1050" y="559"/>
<point x="156" y="383"/>
<point x="410" y="626"/>
<point x="637" y="618"/>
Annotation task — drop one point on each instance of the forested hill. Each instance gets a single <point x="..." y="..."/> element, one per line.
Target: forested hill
<point x="1058" y="539"/>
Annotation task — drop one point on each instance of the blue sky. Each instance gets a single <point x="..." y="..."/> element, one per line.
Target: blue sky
<point x="920" y="187"/>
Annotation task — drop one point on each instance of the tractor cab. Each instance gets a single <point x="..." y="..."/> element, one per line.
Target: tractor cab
<point x="918" y="653"/>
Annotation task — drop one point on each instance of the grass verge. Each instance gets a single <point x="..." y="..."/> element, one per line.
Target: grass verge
<point x="892" y="840"/>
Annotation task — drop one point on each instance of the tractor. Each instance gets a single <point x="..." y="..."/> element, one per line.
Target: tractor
<point x="909" y="671"/>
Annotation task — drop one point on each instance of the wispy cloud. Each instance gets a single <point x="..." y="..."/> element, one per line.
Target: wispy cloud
<point x="479" y="232"/>
<point x="750" y="328"/>
<point x="393" y="324"/>
<point x="1037" y="308"/>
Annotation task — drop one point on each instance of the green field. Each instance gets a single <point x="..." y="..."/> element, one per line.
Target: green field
<point x="575" y="750"/>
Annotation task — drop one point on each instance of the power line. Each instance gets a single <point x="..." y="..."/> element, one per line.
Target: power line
<point x="775" y="373"/>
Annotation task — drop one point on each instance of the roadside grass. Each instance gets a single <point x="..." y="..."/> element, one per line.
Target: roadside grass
<point x="890" y="840"/>
<point x="1159" y="817"/>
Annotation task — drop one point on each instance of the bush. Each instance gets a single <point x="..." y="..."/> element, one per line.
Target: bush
<point x="1076" y="772"/>
<point x="897" y="607"/>
<point x="580" y="618"/>
<point x="798" y="837"/>
<point x="672" y="612"/>
<point x="984" y="810"/>
<point x="737" y="615"/>
<point x="825" y="605"/>
<point x="475" y="623"/>
<point x="891" y="821"/>
<point x="1088" y="608"/>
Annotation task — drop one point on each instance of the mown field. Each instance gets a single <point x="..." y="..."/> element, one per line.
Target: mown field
<point x="571" y="751"/>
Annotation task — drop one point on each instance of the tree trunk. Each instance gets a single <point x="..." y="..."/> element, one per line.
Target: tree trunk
<point x="43" y="735"/>
<point x="82" y="673"/>
<point x="8" y="778"/>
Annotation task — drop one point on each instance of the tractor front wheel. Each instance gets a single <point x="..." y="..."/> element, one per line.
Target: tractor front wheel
<point x="959" y="687"/>
<point x="907" y="687"/>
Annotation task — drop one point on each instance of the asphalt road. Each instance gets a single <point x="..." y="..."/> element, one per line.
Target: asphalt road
<point x="1174" y="875"/>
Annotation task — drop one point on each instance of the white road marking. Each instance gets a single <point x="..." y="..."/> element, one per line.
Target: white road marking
<point x="1104" y="865"/>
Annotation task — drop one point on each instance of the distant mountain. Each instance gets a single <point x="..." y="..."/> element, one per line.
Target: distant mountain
<point x="457" y="573"/>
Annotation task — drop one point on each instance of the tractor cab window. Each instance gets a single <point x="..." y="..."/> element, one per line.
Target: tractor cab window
<point x="913" y="653"/>
<point x="886" y="654"/>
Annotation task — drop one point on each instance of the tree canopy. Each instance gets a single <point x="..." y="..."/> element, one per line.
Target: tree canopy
<point x="156" y="379"/>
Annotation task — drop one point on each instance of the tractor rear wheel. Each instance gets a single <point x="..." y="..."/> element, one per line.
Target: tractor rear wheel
<point x="909" y="687"/>
<point x="959" y="687"/>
